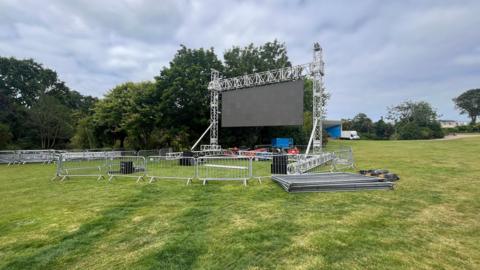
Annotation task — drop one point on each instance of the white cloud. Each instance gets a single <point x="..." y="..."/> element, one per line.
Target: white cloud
<point x="377" y="53"/>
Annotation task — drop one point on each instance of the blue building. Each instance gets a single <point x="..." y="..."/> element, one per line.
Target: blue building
<point x="333" y="128"/>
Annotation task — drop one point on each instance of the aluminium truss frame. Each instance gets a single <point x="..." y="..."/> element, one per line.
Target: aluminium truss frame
<point x="313" y="70"/>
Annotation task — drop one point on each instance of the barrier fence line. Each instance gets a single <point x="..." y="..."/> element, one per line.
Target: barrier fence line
<point x="248" y="165"/>
<point x="126" y="166"/>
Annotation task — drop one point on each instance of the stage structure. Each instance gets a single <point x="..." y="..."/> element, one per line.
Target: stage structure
<point x="313" y="71"/>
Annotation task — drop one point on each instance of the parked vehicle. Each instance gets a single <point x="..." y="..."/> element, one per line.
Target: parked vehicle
<point x="349" y="135"/>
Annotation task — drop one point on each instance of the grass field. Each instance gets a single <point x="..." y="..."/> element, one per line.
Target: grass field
<point x="431" y="220"/>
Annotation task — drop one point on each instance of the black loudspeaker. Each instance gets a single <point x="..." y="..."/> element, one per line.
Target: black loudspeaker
<point x="126" y="167"/>
<point x="279" y="164"/>
<point x="187" y="159"/>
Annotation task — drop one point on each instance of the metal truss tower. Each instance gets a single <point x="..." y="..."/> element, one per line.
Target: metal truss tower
<point x="313" y="70"/>
<point x="318" y="90"/>
<point x="215" y="89"/>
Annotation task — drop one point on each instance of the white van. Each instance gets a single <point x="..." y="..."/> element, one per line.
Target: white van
<point x="349" y="135"/>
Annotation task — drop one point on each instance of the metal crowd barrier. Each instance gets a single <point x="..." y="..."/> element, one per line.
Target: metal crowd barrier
<point x="224" y="168"/>
<point x="126" y="166"/>
<point x="256" y="155"/>
<point x="262" y="166"/>
<point x="74" y="166"/>
<point x="343" y="159"/>
<point x="117" y="153"/>
<point x="50" y="156"/>
<point x="174" y="154"/>
<point x="8" y="157"/>
<point x="35" y="156"/>
<point x="168" y="167"/>
<point x="154" y="152"/>
<point x="97" y="154"/>
<point x="98" y="164"/>
<point x="219" y="152"/>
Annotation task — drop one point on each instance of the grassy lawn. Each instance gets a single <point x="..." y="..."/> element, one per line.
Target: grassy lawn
<point x="431" y="220"/>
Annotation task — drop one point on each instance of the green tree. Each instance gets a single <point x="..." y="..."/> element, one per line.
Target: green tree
<point x="127" y="115"/>
<point x="110" y="112"/>
<point x="383" y="130"/>
<point x="420" y="113"/>
<point x="415" y="120"/>
<point x="347" y="124"/>
<point x="22" y="84"/>
<point x="410" y="131"/>
<point x="181" y="90"/>
<point x="469" y="103"/>
<point x="85" y="137"/>
<point x="5" y="136"/>
<point x="23" y="81"/>
<point x="249" y="59"/>
<point x="362" y="124"/>
<point x="51" y="120"/>
<point x="143" y="116"/>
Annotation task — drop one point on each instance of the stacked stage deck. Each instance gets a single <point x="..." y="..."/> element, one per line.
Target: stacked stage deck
<point x="330" y="182"/>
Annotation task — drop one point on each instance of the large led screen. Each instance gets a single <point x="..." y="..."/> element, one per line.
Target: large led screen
<point x="278" y="104"/>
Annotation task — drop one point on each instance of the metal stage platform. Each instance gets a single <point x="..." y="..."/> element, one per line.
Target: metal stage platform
<point x="321" y="182"/>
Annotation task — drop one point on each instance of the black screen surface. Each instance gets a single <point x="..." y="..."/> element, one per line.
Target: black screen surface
<point x="278" y="104"/>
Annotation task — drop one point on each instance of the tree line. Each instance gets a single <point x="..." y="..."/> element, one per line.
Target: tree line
<point x="415" y="120"/>
<point x="38" y="110"/>
<point x="406" y="121"/>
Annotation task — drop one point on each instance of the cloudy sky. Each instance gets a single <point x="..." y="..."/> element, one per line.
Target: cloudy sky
<point x="377" y="53"/>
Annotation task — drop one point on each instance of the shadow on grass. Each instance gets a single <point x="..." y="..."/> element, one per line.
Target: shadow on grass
<point x="187" y="244"/>
<point x="72" y="247"/>
<point x="199" y="237"/>
<point x="254" y="247"/>
<point x="188" y="234"/>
